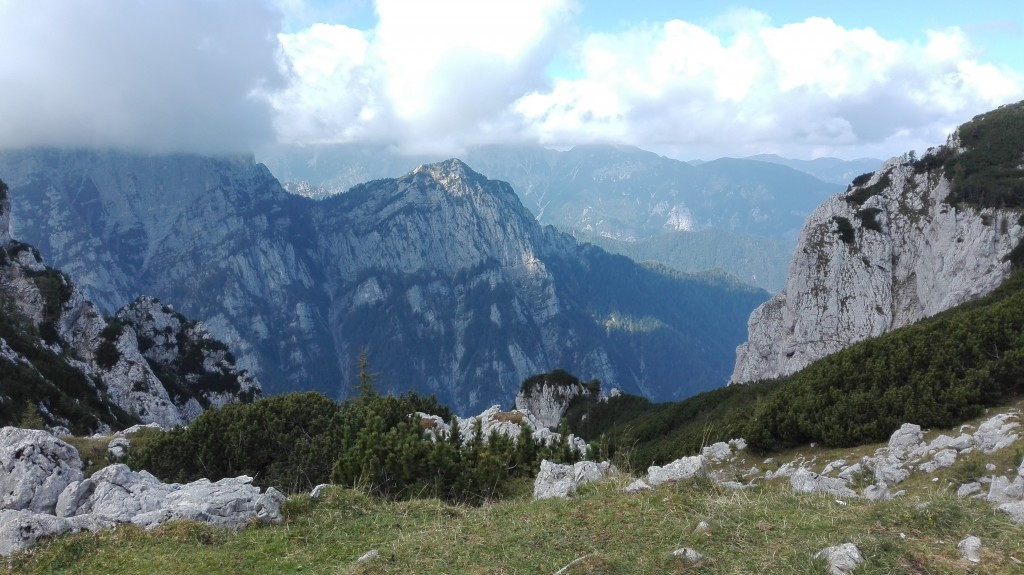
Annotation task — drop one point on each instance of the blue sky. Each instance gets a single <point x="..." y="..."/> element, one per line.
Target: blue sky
<point x="685" y="79"/>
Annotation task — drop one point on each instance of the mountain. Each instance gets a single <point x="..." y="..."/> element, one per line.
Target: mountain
<point x="442" y="276"/>
<point x="617" y="192"/>
<point x="833" y="170"/>
<point x="620" y="192"/>
<point x="903" y="243"/>
<point x="63" y="363"/>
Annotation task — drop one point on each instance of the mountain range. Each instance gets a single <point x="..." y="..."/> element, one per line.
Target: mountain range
<point x="621" y="193"/>
<point x="442" y="276"/>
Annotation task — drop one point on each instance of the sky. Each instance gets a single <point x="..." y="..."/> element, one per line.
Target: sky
<point x="685" y="79"/>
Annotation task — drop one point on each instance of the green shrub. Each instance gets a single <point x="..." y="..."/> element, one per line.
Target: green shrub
<point x="844" y="229"/>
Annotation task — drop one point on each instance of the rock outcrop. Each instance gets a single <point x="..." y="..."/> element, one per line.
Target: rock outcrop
<point x="887" y="253"/>
<point x="558" y="481"/>
<point x="45" y="494"/>
<point x="548" y="396"/>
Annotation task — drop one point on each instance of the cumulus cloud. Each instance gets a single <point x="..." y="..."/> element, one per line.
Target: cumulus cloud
<point x="221" y="75"/>
<point x="442" y="75"/>
<point x="160" y="75"/>
<point x="430" y="76"/>
<point x="807" y="88"/>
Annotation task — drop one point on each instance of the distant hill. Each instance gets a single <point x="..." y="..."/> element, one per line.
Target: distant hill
<point x="831" y="170"/>
<point x="754" y="260"/>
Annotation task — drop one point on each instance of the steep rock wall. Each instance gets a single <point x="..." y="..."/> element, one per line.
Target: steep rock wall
<point x="886" y="254"/>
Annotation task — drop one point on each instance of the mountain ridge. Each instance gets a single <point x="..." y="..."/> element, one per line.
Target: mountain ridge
<point x="433" y="272"/>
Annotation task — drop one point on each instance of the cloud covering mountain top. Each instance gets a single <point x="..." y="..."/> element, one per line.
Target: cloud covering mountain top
<point x="228" y="75"/>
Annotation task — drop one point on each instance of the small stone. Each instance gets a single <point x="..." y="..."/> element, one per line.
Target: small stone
<point x="703" y="526"/>
<point x="968" y="489"/>
<point x="318" y="491"/>
<point x="688" y="554"/>
<point x="970" y="549"/>
<point x="638" y="485"/>
<point x="371" y="554"/>
<point x="842" y="559"/>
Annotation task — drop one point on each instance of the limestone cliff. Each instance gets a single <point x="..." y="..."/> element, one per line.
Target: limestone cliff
<point x="890" y="251"/>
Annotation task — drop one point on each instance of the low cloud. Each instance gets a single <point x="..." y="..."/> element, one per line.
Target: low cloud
<point x="161" y="75"/>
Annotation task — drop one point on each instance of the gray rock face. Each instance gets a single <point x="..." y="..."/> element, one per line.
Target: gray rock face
<point x="549" y="399"/>
<point x="35" y="467"/>
<point x="912" y="257"/>
<point x="46" y="495"/>
<point x="442" y="275"/>
<point x="560" y="481"/>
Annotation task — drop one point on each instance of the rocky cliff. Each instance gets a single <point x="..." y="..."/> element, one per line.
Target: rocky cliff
<point x="442" y="275"/>
<point x="63" y="362"/>
<point x="895" y="248"/>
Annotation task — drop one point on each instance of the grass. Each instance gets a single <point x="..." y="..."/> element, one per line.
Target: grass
<point x="763" y="529"/>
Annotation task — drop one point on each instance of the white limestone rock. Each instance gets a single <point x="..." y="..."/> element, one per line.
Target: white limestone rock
<point x="941" y="460"/>
<point x="689" y="554"/>
<point x="926" y="256"/>
<point x="806" y="481"/>
<point x="35" y="467"/>
<point x="968" y="489"/>
<point x="717" y="452"/>
<point x="996" y="433"/>
<point x="21" y="529"/>
<point x="970" y="548"/>
<point x="684" y="468"/>
<point x="842" y="559"/>
<point x="549" y="399"/>
<point x="637" y="486"/>
<point x="556" y="480"/>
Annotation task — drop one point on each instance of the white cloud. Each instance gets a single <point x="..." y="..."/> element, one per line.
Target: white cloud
<point x="745" y="86"/>
<point x="159" y="75"/>
<point x="431" y="76"/>
<point x="438" y="76"/>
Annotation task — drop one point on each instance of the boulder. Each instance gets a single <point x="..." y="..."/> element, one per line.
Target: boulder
<point x="842" y="559"/>
<point x="717" y="452"/>
<point x="685" y="468"/>
<point x="21" y="529"/>
<point x="806" y="481"/>
<point x="44" y="494"/>
<point x="942" y="459"/>
<point x="556" y="480"/>
<point x="118" y="447"/>
<point x="35" y="467"/>
<point x="996" y="433"/>
<point x="125" y="496"/>
<point x="968" y="489"/>
<point x="905" y="440"/>
<point x="889" y="470"/>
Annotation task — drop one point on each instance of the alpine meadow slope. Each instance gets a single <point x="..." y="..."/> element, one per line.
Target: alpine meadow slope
<point x="442" y="276"/>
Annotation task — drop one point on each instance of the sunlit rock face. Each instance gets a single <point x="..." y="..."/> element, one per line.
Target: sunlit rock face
<point x="889" y="252"/>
